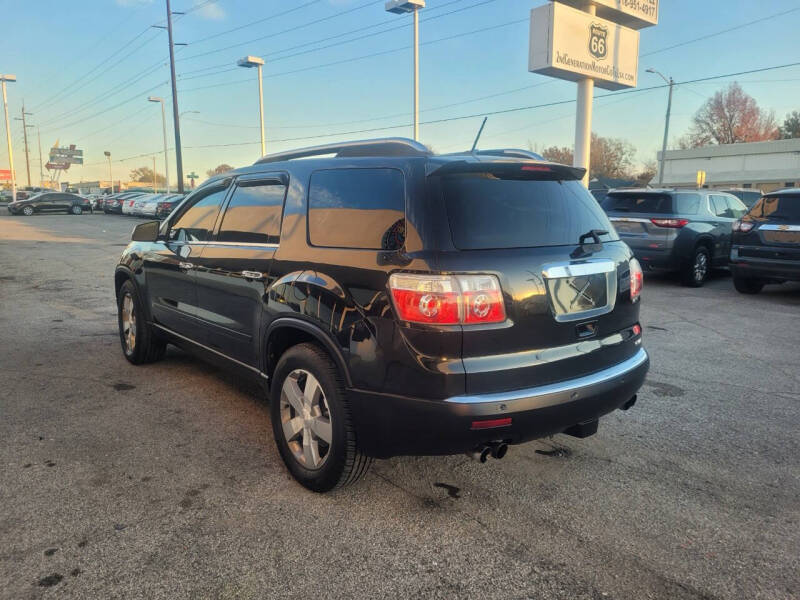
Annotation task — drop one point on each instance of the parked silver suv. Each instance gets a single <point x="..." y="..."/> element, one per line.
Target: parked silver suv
<point x="678" y="230"/>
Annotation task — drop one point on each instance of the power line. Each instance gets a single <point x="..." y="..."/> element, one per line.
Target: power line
<point x="357" y="58"/>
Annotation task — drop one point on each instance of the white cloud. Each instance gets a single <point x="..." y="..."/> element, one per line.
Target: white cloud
<point x="209" y="10"/>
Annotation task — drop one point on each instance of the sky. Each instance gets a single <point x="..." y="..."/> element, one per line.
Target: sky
<point x="342" y="69"/>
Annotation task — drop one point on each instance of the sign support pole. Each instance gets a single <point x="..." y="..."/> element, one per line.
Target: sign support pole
<point x="583" y="120"/>
<point x="8" y="137"/>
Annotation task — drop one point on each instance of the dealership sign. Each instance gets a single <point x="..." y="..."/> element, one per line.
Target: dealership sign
<point x="62" y="158"/>
<point x="635" y="14"/>
<point x="5" y="174"/>
<point x="571" y="44"/>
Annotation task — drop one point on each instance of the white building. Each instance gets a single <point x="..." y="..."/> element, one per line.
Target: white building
<point x="764" y="166"/>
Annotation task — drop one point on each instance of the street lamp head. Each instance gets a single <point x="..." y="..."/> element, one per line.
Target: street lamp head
<point x="651" y="70"/>
<point x="155" y="99"/>
<point x="8" y="77"/>
<point x="250" y="61"/>
<point x="107" y="153"/>
<point x="399" y="7"/>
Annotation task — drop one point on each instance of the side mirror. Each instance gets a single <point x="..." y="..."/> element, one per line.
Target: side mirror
<point x="146" y="232"/>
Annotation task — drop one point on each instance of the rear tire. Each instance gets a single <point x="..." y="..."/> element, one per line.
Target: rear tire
<point x="747" y="285"/>
<point x="140" y="344"/>
<point x="76" y="209"/>
<point x="308" y="404"/>
<point x="27" y="211"/>
<point x="696" y="272"/>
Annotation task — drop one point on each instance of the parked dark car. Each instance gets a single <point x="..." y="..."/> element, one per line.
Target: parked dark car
<point x="166" y="204"/>
<point x="766" y="242"/>
<point x="748" y="196"/>
<point x="396" y="302"/>
<point x="677" y="230"/>
<point x="51" y="202"/>
<point x="113" y="204"/>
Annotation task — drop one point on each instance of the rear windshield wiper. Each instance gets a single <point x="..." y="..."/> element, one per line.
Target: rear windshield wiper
<point x="594" y="234"/>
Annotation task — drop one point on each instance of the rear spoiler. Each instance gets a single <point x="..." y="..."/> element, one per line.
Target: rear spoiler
<point x="541" y="171"/>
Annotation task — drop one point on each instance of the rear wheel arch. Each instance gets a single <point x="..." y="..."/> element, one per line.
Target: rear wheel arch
<point x="286" y="332"/>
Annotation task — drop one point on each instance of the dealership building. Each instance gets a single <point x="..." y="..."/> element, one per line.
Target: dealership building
<point x="764" y="166"/>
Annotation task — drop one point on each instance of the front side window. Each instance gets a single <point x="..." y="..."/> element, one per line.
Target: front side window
<point x="196" y="223"/>
<point x="254" y="213"/>
<point x="736" y="207"/>
<point x="357" y="208"/>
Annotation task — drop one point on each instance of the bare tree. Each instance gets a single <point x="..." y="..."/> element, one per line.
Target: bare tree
<point x="730" y="116"/>
<point x="645" y="173"/>
<point x="145" y="175"/>
<point x="219" y="170"/>
<point x="611" y="157"/>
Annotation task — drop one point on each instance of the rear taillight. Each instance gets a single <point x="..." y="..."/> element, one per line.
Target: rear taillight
<point x="637" y="279"/>
<point x="447" y="299"/>
<point x="743" y="226"/>
<point x="671" y="223"/>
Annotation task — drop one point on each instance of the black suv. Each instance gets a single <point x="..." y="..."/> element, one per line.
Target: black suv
<point x="766" y="243"/>
<point x="677" y="230"/>
<point x="396" y="302"/>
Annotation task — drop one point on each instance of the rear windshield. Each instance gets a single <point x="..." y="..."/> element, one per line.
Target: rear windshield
<point x="681" y="203"/>
<point x="488" y="212"/>
<point x="778" y="207"/>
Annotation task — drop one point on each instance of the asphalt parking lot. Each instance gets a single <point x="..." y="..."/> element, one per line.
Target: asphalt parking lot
<point x="164" y="482"/>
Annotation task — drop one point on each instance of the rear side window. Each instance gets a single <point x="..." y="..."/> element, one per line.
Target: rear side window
<point x="687" y="204"/>
<point x="254" y="214"/>
<point x="487" y="212"/>
<point x="720" y="207"/>
<point x="357" y="208"/>
<point x="638" y="203"/>
<point x="736" y="206"/>
<point x="779" y="207"/>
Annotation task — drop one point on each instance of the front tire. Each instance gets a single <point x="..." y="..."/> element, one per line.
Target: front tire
<point x="27" y="211"/>
<point x="696" y="272"/>
<point x="76" y="210"/>
<point x="311" y="421"/>
<point x="139" y="342"/>
<point x="747" y="285"/>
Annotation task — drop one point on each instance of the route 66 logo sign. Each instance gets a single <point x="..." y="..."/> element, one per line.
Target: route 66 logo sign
<point x="598" y="37"/>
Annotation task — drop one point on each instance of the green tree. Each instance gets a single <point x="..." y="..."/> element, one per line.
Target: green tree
<point x="791" y="125"/>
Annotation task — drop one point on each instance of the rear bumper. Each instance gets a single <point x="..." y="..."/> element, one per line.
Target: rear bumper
<point x="389" y="425"/>
<point x="658" y="259"/>
<point x="764" y="268"/>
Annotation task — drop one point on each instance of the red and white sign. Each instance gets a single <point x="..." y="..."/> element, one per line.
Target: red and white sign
<point x="5" y="174"/>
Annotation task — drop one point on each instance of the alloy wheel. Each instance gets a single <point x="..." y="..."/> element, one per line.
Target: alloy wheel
<point x="306" y="419"/>
<point x="700" y="266"/>
<point x="129" y="323"/>
<point x="27" y="211"/>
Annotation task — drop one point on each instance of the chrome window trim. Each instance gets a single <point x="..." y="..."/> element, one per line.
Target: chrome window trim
<point x="590" y="267"/>
<point x="774" y="227"/>
<point x="628" y="220"/>
<point x="556" y="390"/>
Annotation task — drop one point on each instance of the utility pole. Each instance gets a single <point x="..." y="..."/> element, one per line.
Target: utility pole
<point x="41" y="164"/>
<point x="25" y="137"/>
<point x="175" y="114"/>
<point x="671" y="83"/>
<point x="3" y="79"/>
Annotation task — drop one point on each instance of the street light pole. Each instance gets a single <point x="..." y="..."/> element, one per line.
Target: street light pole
<point x="41" y="164"/>
<point x="258" y="62"/>
<point x="3" y="79"/>
<point x="671" y="84"/>
<point x="25" y="137"/>
<point x="164" y="129"/>
<point x="110" y="176"/>
<point x="412" y="6"/>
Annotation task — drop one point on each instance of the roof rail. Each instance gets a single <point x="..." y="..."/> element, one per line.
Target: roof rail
<point x="377" y="147"/>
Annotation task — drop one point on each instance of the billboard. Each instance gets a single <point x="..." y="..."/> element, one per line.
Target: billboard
<point x="635" y="14"/>
<point x="62" y="158"/>
<point x="572" y="44"/>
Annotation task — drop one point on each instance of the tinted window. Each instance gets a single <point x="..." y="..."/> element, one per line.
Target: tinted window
<point x="196" y="223"/>
<point x="254" y="214"/>
<point x="719" y="206"/>
<point x="488" y="212"/>
<point x="638" y="203"/>
<point x="736" y="207"/>
<point x="687" y="204"/>
<point x="778" y="207"/>
<point x="357" y="208"/>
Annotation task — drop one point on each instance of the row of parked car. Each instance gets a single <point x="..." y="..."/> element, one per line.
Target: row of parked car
<point x="140" y="204"/>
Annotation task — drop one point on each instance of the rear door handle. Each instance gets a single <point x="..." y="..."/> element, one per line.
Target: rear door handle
<point x="253" y="275"/>
<point x="185" y="266"/>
